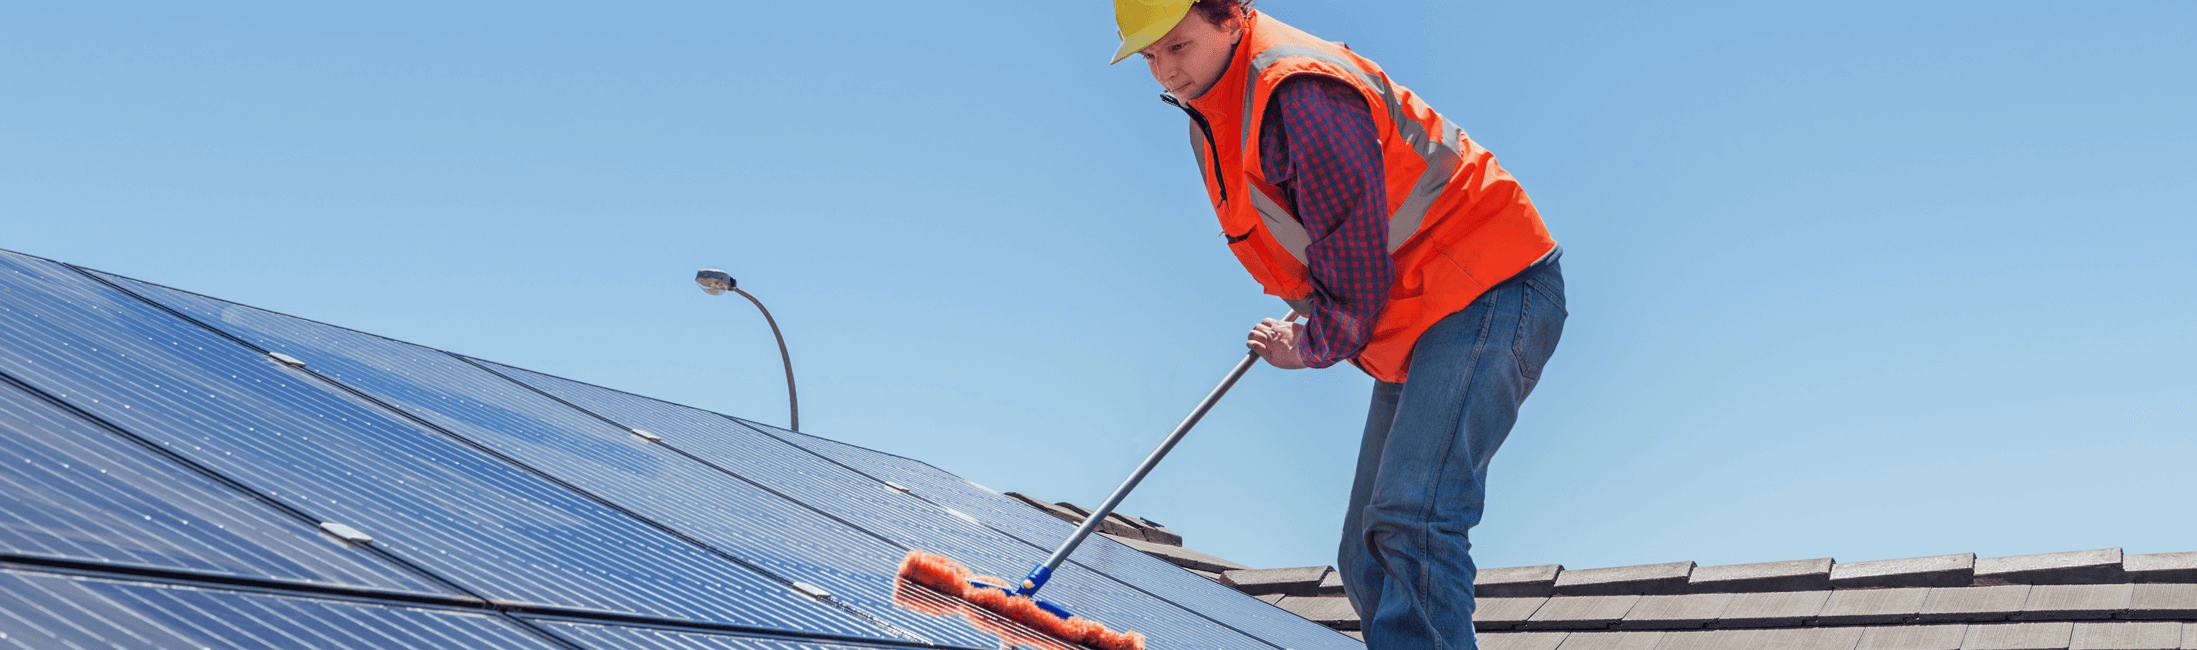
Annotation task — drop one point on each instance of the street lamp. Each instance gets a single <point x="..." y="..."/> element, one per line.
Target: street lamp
<point x="716" y="282"/>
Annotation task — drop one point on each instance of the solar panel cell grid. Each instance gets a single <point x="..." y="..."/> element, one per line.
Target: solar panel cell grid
<point x="76" y="491"/>
<point x="908" y="521"/>
<point x="40" y="611"/>
<point x="613" y="637"/>
<point x="653" y="482"/>
<point x="995" y="510"/>
<point x="521" y="488"/>
<point x="467" y="517"/>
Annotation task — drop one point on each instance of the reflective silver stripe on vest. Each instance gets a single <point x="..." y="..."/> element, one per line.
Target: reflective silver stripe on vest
<point x="1289" y="232"/>
<point x="1441" y="155"/>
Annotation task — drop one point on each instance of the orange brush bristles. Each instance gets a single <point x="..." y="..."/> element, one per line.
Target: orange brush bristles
<point x="947" y="576"/>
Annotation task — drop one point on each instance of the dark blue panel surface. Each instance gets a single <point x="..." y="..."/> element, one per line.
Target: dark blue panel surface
<point x="982" y="503"/>
<point x="1150" y="574"/>
<point x="619" y="637"/>
<point x="604" y="459"/>
<point x="493" y="529"/>
<point x="42" y="611"/>
<point x="73" y="490"/>
<point x="908" y="520"/>
<point x="623" y="636"/>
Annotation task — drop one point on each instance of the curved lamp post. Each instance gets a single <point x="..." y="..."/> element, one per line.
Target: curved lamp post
<point x="716" y="282"/>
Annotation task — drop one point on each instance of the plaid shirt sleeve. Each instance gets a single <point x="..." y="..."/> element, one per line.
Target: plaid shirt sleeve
<point x="1319" y="146"/>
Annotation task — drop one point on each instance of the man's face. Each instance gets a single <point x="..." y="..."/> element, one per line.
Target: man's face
<point x="1192" y="56"/>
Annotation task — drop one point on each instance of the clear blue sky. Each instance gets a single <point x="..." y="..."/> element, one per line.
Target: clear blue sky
<point x="1859" y="280"/>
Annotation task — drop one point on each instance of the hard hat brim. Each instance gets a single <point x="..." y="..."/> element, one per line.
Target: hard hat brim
<point x="1144" y="38"/>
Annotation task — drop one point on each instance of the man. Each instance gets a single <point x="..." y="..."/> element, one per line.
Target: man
<point x="1416" y="257"/>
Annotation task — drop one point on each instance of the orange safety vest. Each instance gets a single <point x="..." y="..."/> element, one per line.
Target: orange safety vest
<point x="1458" y="224"/>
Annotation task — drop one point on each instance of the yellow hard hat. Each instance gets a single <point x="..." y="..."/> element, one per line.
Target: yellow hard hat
<point x="1145" y="21"/>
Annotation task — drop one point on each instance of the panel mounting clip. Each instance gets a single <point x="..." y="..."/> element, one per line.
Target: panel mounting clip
<point x="286" y="360"/>
<point x="962" y="515"/>
<point x="896" y="487"/>
<point x="647" y="436"/>
<point x="346" y="533"/>
<point x="812" y="591"/>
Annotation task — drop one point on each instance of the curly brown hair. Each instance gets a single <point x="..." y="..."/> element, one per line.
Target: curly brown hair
<point x="1219" y="11"/>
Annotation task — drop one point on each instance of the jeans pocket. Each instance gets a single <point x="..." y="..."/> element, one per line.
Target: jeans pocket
<point x="1551" y="286"/>
<point x="1540" y="325"/>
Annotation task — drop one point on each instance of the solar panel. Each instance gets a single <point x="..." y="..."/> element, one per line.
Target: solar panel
<point x="179" y="470"/>
<point x="740" y="518"/>
<point x="490" y="528"/>
<point x="77" y="492"/>
<point x="908" y="520"/>
<point x="618" y="637"/>
<point x="39" y="611"/>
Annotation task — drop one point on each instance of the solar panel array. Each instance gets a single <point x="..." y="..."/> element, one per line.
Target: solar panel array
<point x="180" y="471"/>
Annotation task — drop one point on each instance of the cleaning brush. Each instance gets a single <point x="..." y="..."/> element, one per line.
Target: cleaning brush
<point x="1020" y="603"/>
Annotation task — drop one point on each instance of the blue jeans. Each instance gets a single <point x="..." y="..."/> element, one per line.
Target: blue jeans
<point x="1423" y="467"/>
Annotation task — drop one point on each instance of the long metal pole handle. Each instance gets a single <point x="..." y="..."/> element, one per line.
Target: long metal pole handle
<point x="1044" y="572"/>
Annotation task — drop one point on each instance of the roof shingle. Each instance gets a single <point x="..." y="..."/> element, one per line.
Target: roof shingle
<point x="1300" y="581"/>
<point x="1332" y="611"/>
<point x="1966" y="604"/>
<point x="1675" y="612"/>
<point x="1913" y="637"/>
<point x="1956" y="570"/>
<point x="1513" y="582"/>
<point x="1793" y="575"/>
<point x="2076" y="602"/>
<point x="1772" y="609"/>
<point x="1612" y="640"/>
<point x="1871" y="606"/>
<point x="2101" y="566"/>
<point x="2019" y="636"/>
<point x="1645" y="579"/>
<point x="2126" y="636"/>
<point x="2161" y="567"/>
<point x="1522" y="641"/>
<point x="1580" y="612"/>
<point x="1503" y="613"/>
<point x="2156" y="601"/>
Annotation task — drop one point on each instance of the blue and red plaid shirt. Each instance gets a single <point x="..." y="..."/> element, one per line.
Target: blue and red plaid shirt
<point x="1320" y="147"/>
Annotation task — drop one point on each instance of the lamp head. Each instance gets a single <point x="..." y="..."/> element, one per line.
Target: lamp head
<point x="714" y="281"/>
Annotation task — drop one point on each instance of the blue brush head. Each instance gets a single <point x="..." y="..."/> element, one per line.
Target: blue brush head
<point x="1043" y="604"/>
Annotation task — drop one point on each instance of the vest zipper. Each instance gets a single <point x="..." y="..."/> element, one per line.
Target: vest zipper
<point x="1212" y="150"/>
